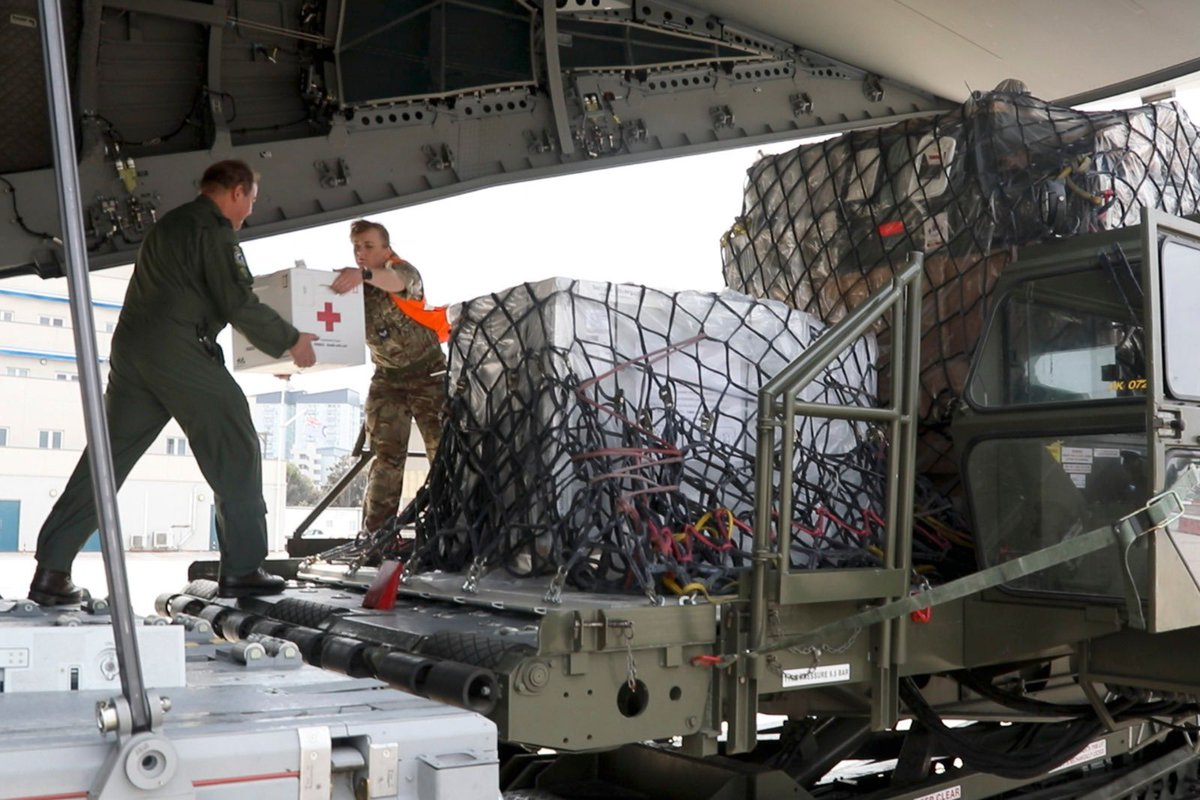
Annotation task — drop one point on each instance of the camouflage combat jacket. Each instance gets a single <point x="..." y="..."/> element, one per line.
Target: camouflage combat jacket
<point x="400" y="346"/>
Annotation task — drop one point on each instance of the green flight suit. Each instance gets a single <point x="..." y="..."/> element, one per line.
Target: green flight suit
<point x="190" y="279"/>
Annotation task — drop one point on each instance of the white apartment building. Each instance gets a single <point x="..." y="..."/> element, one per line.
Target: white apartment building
<point x="319" y="429"/>
<point x="312" y="430"/>
<point x="165" y="503"/>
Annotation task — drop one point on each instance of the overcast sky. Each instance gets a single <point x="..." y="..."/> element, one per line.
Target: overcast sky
<point x="657" y="224"/>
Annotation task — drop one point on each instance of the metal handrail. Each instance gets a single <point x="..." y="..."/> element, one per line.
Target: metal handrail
<point x="778" y="407"/>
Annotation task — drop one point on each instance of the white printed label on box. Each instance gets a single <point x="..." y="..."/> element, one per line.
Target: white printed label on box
<point x="1107" y="452"/>
<point x="816" y="676"/>
<point x="1078" y="455"/>
<point x="1071" y="466"/>
<point x="1079" y="479"/>
<point x="593" y="325"/>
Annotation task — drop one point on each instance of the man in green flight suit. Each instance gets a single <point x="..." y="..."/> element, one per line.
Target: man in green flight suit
<point x="189" y="281"/>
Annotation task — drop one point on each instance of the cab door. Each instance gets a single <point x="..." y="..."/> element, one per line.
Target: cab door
<point x="1171" y="277"/>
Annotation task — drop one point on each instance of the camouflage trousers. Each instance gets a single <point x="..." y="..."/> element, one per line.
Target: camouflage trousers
<point x="392" y="405"/>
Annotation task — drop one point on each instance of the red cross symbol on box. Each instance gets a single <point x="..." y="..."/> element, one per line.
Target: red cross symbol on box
<point x="328" y="316"/>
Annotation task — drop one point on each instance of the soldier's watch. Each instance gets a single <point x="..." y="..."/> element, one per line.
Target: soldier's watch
<point x="367" y="274"/>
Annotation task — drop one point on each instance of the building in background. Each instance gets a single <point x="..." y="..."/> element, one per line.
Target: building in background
<point x="165" y="504"/>
<point x="317" y="431"/>
<point x="314" y="431"/>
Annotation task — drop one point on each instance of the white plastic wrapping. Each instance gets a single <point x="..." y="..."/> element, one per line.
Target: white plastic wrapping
<point x="626" y="392"/>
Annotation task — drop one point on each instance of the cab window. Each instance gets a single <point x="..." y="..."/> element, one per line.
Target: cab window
<point x="1180" y="265"/>
<point x="1045" y="347"/>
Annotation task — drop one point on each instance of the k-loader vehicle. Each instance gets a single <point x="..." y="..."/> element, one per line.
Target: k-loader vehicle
<point x="1065" y="666"/>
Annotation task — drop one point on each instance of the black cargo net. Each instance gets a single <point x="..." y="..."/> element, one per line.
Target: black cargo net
<point x="824" y="225"/>
<point x="604" y="435"/>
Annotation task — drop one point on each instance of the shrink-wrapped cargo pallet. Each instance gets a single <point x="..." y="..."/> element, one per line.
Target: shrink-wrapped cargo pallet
<point x="826" y="223"/>
<point x="605" y="433"/>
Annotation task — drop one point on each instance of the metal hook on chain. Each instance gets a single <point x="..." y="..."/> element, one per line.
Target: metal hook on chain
<point x="773" y="626"/>
<point x="471" y="584"/>
<point x="554" y="592"/>
<point x="630" y="663"/>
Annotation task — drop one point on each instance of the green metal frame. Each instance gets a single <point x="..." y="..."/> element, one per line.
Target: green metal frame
<point x="1166" y="418"/>
<point x="1171" y="424"/>
<point x="772" y="581"/>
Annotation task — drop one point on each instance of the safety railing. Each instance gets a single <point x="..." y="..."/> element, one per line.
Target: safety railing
<point x="778" y="408"/>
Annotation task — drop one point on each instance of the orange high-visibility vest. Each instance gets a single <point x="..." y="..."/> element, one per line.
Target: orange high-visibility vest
<point x="432" y="317"/>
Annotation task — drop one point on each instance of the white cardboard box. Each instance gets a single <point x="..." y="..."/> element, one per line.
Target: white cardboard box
<point x="303" y="297"/>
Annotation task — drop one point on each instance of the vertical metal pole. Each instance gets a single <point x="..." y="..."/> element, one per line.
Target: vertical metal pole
<point x="764" y="489"/>
<point x="906" y="369"/>
<point x="907" y="405"/>
<point x="70" y="209"/>
<point x="896" y="429"/>
<point x="787" y="482"/>
<point x="909" y="411"/>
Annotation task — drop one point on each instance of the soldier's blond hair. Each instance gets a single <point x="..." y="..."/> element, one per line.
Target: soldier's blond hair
<point x="364" y="225"/>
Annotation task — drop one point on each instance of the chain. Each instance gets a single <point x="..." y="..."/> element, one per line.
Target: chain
<point x="471" y="584"/>
<point x="630" y="664"/>
<point x="815" y="651"/>
<point x="554" y="593"/>
<point x="357" y="562"/>
<point x="409" y="569"/>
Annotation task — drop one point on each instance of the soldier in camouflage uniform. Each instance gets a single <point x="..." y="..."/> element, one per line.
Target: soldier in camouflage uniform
<point x="189" y="281"/>
<point x="409" y="379"/>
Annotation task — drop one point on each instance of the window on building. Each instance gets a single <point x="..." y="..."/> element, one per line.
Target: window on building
<point x="3" y="437"/>
<point x="176" y="446"/>
<point x="6" y="316"/>
<point x="53" y="322"/>
<point x="50" y="440"/>
<point x="109" y="327"/>
<point x="17" y="372"/>
<point x="66" y="376"/>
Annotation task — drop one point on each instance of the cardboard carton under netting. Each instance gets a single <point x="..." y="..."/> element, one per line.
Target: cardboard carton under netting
<point x="826" y="224"/>
<point x="953" y="312"/>
<point x="606" y="434"/>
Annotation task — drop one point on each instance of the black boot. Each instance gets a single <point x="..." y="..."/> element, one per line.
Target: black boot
<point x="53" y="588"/>
<point x="258" y="582"/>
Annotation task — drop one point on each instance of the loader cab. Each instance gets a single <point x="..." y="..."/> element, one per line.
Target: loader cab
<point x="1077" y="412"/>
